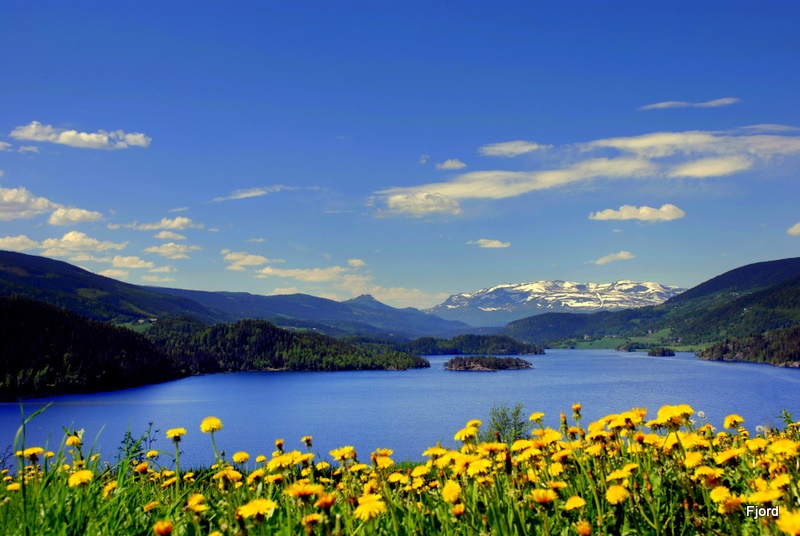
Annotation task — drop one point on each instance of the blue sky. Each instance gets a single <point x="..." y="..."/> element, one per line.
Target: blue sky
<point x="410" y="150"/>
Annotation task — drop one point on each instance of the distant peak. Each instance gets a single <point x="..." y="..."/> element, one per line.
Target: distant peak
<point x="365" y="298"/>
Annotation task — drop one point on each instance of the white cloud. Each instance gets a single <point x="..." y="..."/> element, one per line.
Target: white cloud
<point x="424" y="159"/>
<point x="285" y="290"/>
<point x="794" y="230"/>
<point x="510" y="149"/>
<point x="453" y="163"/>
<point x="177" y="223"/>
<point x="171" y="250"/>
<point x="316" y="275"/>
<point x="356" y="263"/>
<point x="130" y="262"/>
<point x="257" y="240"/>
<point x="169" y="235"/>
<point x="613" y="257"/>
<point x="419" y="204"/>
<point x="116" y="274"/>
<point x="156" y="279"/>
<point x="18" y="243"/>
<point x="28" y="149"/>
<point x="712" y="167"/>
<point x="19" y="203"/>
<point x="117" y="139"/>
<point x="163" y="270"/>
<point x="75" y="241"/>
<point x="667" y="212"/>
<point x="68" y="216"/>
<point x="488" y="243"/>
<point x="179" y="209"/>
<point x="727" y="101"/>
<point x="87" y="257"/>
<point x="5" y="146"/>
<point x="240" y="259"/>
<point x="253" y="192"/>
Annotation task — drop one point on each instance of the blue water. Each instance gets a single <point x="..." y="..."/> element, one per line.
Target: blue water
<point x="407" y="411"/>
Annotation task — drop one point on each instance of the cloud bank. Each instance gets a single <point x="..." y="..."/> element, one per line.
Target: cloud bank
<point x="117" y="139"/>
<point x="667" y="212"/>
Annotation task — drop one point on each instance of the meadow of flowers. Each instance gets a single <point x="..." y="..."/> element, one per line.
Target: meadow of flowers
<point x="623" y="474"/>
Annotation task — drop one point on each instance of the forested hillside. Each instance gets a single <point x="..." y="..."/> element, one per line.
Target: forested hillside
<point x="260" y="345"/>
<point x="47" y="351"/>
<point x="780" y="347"/>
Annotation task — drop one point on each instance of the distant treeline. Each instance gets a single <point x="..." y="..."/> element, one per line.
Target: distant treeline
<point x="779" y="347"/>
<point x="259" y="345"/>
<point x="486" y="363"/>
<point x="48" y="351"/>
<point x="460" y="344"/>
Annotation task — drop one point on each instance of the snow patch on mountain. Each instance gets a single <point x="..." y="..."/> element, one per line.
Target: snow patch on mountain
<point x="501" y="304"/>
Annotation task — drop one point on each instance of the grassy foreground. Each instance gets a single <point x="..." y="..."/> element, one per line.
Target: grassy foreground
<point x="623" y="474"/>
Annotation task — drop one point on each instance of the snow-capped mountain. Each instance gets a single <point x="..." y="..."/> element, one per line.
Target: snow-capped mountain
<point x="499" y="305"/>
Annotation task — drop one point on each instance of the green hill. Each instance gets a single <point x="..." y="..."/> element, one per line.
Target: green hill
<point x="94" y="296"/>
<point x="753" y="298"/>
<point x="780" y="347"/>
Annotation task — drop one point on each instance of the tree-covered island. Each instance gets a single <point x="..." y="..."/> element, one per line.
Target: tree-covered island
<point x="486" y="363"/>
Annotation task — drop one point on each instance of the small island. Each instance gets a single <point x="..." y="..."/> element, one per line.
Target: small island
<point x="486" y="363"/>
<point x="661" y="352"/>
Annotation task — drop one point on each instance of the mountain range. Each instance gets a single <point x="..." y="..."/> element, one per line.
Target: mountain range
<point x="499" y="305"/>
<point x="754" y="298"/>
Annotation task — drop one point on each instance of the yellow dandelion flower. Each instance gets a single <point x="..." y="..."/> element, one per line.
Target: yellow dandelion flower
<point x="257" y="508"/>
<point x="731" y="505"/>
<point x="152" y="454"/>
<point x="420" y="470"/>
<point x="311" y="520"/>
<point x="307" y="440"/>
<point x="474" y="423"/>
<point x="451" y="491"/>
<point x="163" y="528"/>
<point x="80" y="478"/>
<point x="73" y="441"/>
<point x="303" y="490"/>
<point x="383" y="462"/>
<point x="325" y="501"/>
<point x="176" y="433"/>
<point x="458" y="509"/>
<point x="720" y="494"/>
<point x="536" y="417"/>
<point x="764" y="496"/>
<point x="732" y="421"/>
<point x="109" y="488"/>
<point x="789" y="521"/>
<point x="196" y="503"/>
<point x="149" y="506"/>
<point x="14" y="486"/>
<point x="369" y="507"/>
<point x="33" y="453"/>
<point x="466" y="433"/>
<point x="210" y="425"/>
<point x="170" y="481"/>
<point x="784" y="447"/>
<point x="583" y="528"/>
<point x="544" y="496"/>
<point x="240" y="457"/>
<point x="780" y="482"/>
<point x="616" y="494"/>
<point x="261" y="458"/>
<point x="692" y="459"/>
<point x="574" y="502"/>
<point x="728" y="455"/>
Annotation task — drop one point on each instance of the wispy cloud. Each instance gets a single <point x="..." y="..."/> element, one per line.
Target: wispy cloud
<point x="667" y="212"/>
<point x="658" y="155"/>
<point x="453" y="163"/>
<point x="171" y="250"/>
<point x="177" y="223"/>
<point x="156" y="279"/>
<point x="257" y="240"/>
<point x="163" y="270"/>
<point x="116" y="139"/>
<point x="511" y="149"/>
<point x="488" y="243"/>
<point x="178" y="209"/>
<point x="424" y="159"/>
<point x="240" y="259"/>
<point x="716" y="103"/>
<point x="613" y="257"/>
<point x="247" y="193"/>
<point x="794" y="230"/>
<point x="356" y="263"/>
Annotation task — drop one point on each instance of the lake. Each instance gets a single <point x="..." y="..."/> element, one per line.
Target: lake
<point x="407" y="411"/>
